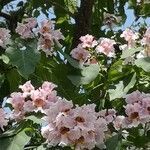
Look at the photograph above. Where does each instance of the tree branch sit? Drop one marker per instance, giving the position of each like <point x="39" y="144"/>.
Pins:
<point x="83" y="20"/>
<point x="4" y="15"/>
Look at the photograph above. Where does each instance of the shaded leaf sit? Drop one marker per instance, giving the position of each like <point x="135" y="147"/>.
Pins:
<point x="112" y="143"/>
<point x="88" y="74"/>
<point x="24" y="60"/>
<point x="14" y="143"/>
<point x="143" y="63"/>
<point x="130" y="52"/>
<point x="120" y="90"/>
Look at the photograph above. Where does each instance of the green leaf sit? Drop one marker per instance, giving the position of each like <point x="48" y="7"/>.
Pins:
<point x="61" y="20"/>
<point x="71" y="4"/>
<point x="25" y="60"/>
<point x="4" y="58"/>
<point x="14" y="143"/>
<point x="14" y="79"/>
<point x="35" y="119"/>
<point x="130" y="52"/>
<point x="88" y="74"/>
<point x="120" y="90"/>
<point x="112" y="143"/>
<point x="2" y="78"/>
<point x="16" y="129"/>
<point x="40" y="148"/>
<point x="143" y="63"/>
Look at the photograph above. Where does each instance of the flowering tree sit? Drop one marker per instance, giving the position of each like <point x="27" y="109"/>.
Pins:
<point x="67" y="83"/>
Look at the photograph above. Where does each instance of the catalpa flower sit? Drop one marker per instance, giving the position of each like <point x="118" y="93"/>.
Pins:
<point x="4" y="37"/>
<point x="130" y="37"/>
<point x="3" y="120"/>
<point x="106" y="47"/>
<point x="88" y="41"/>
<point x="80" y="53"/>
<point x="146" y="38"/>
<point x="79" y="127"/>
<point x="25" y="29"/>
<point x="48" y="37"/>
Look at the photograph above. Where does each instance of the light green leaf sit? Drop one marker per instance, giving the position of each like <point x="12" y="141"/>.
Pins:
<point x="72" y="5"/>
<point x="130" y="52"/>
<point x="4" y="58"/>
<point x="143" y="63"/>
<point x="120" y="90"/>
<point x="61" y="20"/>
<point x="25" y="60"/>
<point x="14" y="143"/>
<point x="88" y="74"/>
<point x="35" y="119"/>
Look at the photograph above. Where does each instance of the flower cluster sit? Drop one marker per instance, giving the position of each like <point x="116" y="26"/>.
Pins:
<point x="48" y="37"/>
<point x="66" y="125"/>
<point x="31" y="99"/>
<point x="146" y="38"/>
<point x="78" y="127"/>
<point x="130" y="36"/>
<point x="4" y="37"/>
<point x="89" y="45"/>
<point x="106" y="47"/>
<point x="3" y="119"/>
<point x="25" y="29"/>
<point x="137" y="111"/>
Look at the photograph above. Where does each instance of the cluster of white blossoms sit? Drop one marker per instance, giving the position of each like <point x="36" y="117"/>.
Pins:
<point x="25" y="29"/>
<point x="44" y="31"/>
<point x="48" y="37"/>
<point x="31" y="99"/>
<point x="103" y="46"/>
<point x="137" y="111"/>
<point x="66" y="124"/>
<point x="88" y="46"/>
<point x="78" y="127"/>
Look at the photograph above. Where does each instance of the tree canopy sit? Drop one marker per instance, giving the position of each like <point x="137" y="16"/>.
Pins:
<point x="74" y="74"/>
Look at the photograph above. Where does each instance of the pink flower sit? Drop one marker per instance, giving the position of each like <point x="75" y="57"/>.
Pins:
<point x="106" y="47"/>
<point x="85" y="116"/>
<point x="146" y="38"/>
<point x="30" y="22"/>
<point x="88" y="41"/>
<point x="48" y="86"/>
<point x="25" y="29"/>
<point x="48" y="37"/>
<point x="28" y="106"/>
<point x="133" y="111"/>
<point x="130" y="37"/>
<point x="27" y="87"/>
<point x="80" y="53"/>
<point x="16" y="100"/>
<point x="4" y="37"/>
<point x="3" y="120"/>
<point x="118" y="122"/>
<point x="145" y="111"/>
<point x="133" y="97"/>
<point x="108" y="114"/>
<point x="78" y="127"/>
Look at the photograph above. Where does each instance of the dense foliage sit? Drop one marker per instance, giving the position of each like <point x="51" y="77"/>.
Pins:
<point x="71" y="77"/>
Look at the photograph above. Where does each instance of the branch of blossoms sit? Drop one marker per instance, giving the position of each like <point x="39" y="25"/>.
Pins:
<point x="66" y="124"/>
